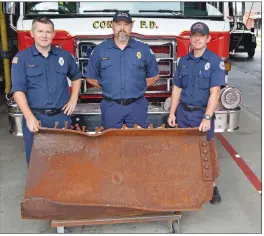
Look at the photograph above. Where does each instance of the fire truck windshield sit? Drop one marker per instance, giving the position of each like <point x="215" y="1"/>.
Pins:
<point x="176" y="9"/>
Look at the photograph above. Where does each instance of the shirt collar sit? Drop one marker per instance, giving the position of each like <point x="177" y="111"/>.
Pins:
<point x="204" y="56"/>
<point x="34" y="50"/>
<point x="53" y="50"/>
<point x="111" y="43"/>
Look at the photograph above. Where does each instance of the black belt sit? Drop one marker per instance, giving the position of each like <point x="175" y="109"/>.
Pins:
<point x="48" y="112"/>
<point x="124" y="102"/>
<point x="192" y="108"/>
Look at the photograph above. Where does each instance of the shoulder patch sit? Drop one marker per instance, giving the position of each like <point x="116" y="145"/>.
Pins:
<point x="15" y="60"/>
<point x="222" y="65"/>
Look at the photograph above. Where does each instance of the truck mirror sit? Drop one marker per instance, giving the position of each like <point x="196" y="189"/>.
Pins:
<point x="252" y="30"/>
<point x="9" y="8"/>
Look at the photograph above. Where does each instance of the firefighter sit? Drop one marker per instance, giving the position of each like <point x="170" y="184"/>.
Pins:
<point x="123" y="67"/>
<point x="196" y="88"/>
<point x="39" y="82"/>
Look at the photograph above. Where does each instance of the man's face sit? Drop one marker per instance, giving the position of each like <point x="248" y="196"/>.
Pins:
<point x="199" y="41"/>
<point x="43" y="34"/>
<point x="122" y="30"/>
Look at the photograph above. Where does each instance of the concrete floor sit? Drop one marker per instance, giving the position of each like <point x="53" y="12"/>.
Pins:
<point x="240" y="211"/>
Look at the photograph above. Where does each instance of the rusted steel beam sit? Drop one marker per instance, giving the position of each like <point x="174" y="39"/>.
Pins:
<point x="75" y="175"/>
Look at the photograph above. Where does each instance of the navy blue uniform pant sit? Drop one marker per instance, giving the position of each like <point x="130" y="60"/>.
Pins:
<point x="46" y="121"/>
<point x="191" y="119"/>
<point x="115" y="115"/>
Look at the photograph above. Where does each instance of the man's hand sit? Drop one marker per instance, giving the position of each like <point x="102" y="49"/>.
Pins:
<point x="33" y="124"/>
<point x="69" y="107"/>
<point x="205" y="125"/>
<point x="172" y="120"/>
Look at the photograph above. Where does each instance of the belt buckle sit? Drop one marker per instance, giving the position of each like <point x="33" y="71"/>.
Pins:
<point x="47" y="112"/>
<point x="190" y="107"/>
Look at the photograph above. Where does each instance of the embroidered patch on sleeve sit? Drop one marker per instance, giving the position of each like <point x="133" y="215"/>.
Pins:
<point x="222" y="65"/>
<point x="15" y="60"/>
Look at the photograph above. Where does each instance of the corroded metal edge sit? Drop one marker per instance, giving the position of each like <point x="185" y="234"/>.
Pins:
<point x="41" y="208"/>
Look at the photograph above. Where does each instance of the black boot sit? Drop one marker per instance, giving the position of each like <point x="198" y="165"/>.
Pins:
<point x="216" y="199"/>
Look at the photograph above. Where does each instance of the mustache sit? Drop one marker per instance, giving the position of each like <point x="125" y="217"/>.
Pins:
<point x="122" y="31"/>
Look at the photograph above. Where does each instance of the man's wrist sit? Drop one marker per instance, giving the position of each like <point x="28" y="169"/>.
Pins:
<point x="29" y="116"/>
<point x="74" y="98"/>
<point x="207" y="117"/>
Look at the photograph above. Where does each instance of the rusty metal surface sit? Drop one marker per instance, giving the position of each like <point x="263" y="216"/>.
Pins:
<point x="75" y="175"/>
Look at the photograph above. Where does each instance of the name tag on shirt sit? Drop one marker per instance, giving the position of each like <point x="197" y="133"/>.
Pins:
<point x="32" y="66"/>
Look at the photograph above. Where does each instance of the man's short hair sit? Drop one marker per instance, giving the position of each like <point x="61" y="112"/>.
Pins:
<point x="43" y="20"/>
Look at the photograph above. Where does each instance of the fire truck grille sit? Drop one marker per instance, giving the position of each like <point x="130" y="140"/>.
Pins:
<point x="165" y="58"/>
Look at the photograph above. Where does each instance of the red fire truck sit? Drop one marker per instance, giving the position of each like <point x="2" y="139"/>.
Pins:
<point x="164" y="26"/>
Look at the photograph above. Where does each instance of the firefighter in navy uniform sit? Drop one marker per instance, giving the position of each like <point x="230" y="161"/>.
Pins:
<point x="123" y="68"/>
<point x="39" y="83"/>
<point x="197" y="82"/>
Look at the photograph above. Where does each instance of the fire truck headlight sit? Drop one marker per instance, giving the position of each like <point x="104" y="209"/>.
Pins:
<point x="227" y="65"/>
<point x="230" y="97"/>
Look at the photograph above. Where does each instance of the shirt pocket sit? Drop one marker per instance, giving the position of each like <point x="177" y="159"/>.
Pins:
<point x="138" y="67"/>
<point x="184" y="75"/>
<point x="105" y="64"/>
<point x="34" y="71"/>
<point x="61" y="72"/>
<point x="106" y="69"/>
<point x="35" y="77"/>
<point x="204" y="80"/>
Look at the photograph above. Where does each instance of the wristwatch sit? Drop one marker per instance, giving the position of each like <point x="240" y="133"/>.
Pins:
<point x="207" y="117"/>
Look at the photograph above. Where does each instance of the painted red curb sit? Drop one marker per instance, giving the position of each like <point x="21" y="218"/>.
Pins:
<point x="241" y="163"/>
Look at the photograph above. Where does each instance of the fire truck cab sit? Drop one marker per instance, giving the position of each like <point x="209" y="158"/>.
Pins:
<point x="164" y="26"/>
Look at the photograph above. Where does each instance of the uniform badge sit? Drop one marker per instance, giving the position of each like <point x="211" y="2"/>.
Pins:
<point x="222" y="65"/>
<point x="139" y="55"/>
<point x="15" y="60"/>
<point x="61" y="61"/>
<point x="207" y="66"/>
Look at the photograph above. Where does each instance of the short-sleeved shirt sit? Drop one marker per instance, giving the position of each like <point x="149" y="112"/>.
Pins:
<point x="44" y="80"/>
<point x="197" y="75"/>
<point x="122" y="73"/>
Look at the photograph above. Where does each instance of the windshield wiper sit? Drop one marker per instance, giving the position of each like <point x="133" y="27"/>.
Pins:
<point x="50" y="10"/>
<point x="174" y="12"/>
<point x="105" y="10"/>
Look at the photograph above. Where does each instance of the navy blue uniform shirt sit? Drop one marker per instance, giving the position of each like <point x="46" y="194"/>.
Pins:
<point x="197" y="75"/>
<point x="44" y="80"/>
<point x="122" y="73"/>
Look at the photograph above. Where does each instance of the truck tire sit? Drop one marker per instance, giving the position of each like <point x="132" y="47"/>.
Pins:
<point x="251" y="52"/>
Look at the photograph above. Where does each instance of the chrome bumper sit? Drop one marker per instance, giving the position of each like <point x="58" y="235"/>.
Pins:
<point x="226" y="120"/>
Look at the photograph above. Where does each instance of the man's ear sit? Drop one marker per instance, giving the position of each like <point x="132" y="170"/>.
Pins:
<point x="31" y="33"/>
<point x="208" y="38"/>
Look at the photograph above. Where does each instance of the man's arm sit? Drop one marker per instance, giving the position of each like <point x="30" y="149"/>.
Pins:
<point x="211" y="108"/>
<point x="217" y="81"/>
<point x="175" y="99"/>
<point x="152" y="80"/>
<point x="74" y="75"/>
<point x="19" y="89"/>
<point x="213" y="100"/>
<point x="93" y="82"/>
<point x="21" y="100"/>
